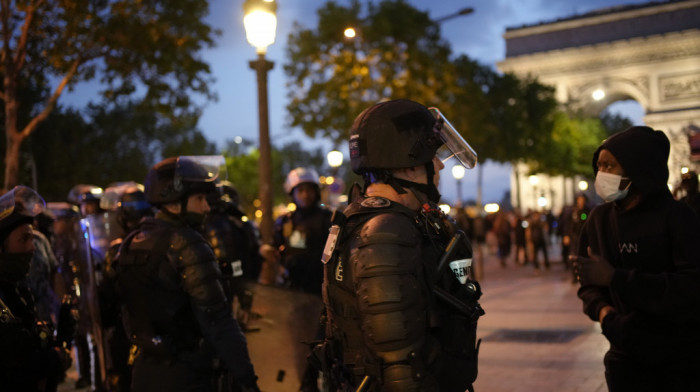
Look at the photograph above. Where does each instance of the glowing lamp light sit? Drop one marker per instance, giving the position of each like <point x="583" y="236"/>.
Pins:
<point x="542" y="201"/>
<point x="491" y="208"/>
<point x="458" y="172"/>
<point x="291" y="207"/>
<point x="349" y="33"/>
<point x="260" y="23"/>
<point x="334" y="158"/>
<point x="598" y="94"/>
<point x="445" y="208"/>
<point x="533" y="179"/>
<point x="583" y="185"/>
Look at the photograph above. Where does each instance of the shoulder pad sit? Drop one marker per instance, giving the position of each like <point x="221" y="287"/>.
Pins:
<point x="390" y="228"/>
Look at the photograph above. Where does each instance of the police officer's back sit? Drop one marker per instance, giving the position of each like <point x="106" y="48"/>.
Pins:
<point x="175" y="310"/>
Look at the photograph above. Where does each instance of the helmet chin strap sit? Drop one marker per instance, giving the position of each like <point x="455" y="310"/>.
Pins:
<point x="428" y="190"/>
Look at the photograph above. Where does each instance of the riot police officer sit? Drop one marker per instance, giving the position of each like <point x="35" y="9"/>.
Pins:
<point x="31" y="359"/>
<point x="300" y="234"/>
<point x="175" y="310"/>
<point x="398" y="318"/>
<point x="235" y="242"/>
<point x="125" y="205"/>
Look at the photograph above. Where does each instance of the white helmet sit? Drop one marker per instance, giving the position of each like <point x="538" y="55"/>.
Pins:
<point x="298" y="176"/>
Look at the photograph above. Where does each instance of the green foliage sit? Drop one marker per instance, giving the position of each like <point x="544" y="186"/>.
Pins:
<point x="399" y="53"/>
<point x="569" y="147"/>
<point x="332" y="79"/>
<point x="145" y="49"/>
<point x="242" y="161"/>
<point x="112" y="144"/>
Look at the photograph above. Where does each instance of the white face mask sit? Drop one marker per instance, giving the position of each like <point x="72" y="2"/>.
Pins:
<point x="607" y="186"/>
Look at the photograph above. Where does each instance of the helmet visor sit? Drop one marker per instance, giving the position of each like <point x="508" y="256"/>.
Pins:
<point x="112" y="198"/>
<point x="454" y="144"/>
<point x="201" y="168"/>
<point x="22" y="200"/>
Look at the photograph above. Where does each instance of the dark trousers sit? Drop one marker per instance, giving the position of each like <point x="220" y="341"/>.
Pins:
<point x="623" y="373"/>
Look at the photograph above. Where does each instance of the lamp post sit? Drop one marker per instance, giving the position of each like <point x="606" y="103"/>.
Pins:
<point x="260" y="24"/>
<point x="458" y="174"/>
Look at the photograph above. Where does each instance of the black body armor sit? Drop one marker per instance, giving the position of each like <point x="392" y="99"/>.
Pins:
<point x="174" y="307"/>
<point x="397" y="317"/>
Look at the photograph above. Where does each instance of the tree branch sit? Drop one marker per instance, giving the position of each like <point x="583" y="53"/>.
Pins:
<point x="21" y="53"/>
<point x="51" y="103"/>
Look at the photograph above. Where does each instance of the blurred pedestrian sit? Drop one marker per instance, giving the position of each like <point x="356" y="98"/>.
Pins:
<point x="503" y="230"/>
<point x="639" y="267"/>
<point x="519" y="229"/>
<point x="537" y="235"/>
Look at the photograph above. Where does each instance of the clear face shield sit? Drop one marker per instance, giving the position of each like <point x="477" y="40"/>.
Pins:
<point x="201" y="168"/>
<point x="455" y="146"/>
<point x="23" y="200"/>
<point x="113" y="195"/>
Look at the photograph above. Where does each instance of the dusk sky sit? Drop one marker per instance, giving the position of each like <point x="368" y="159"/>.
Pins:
<point x="478" y="35"/>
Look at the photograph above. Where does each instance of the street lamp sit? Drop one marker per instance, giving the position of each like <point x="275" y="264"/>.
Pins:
<point x="335" y="159"/>
<point x="463" y="11"/>
<point x="260" y="24"/>
<point x="458" y="173"/>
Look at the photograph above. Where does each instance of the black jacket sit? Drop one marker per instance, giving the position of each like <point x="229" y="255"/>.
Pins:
<point x="655" y="249"/>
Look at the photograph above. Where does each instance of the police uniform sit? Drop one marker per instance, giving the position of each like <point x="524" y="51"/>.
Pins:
<point x="398" y="319"/>
<point x="174" y="306"/>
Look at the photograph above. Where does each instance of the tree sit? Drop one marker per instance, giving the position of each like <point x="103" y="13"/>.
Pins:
<point x="242" y="166"/>
<point x="398" y="53"/>
<point x="144" y="47"/>
<point x="113" y="144"/>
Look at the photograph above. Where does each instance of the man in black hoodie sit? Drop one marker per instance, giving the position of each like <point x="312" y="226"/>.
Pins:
<point x="639" y="267"/>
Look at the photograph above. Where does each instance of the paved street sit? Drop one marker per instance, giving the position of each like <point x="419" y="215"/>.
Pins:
<point x="535" y="336"/>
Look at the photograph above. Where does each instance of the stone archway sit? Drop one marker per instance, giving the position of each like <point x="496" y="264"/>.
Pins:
<point x="649" y="53"/>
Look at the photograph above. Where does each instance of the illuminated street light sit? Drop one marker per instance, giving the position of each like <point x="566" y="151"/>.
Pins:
<point x="260" y="24"/>
<point x="349" y="32"/>
<point x="491" y="208"/>
<point x="583" y="185"/>
<point x="598" y="94"/>
<point x="335" y="159"/>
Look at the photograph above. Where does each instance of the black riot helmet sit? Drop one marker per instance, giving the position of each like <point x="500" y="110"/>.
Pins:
<point x="128" y="200"/>
<point x="225" y="199"/>
<point x="175" y="179"/>
<point x="400" y="134"/>
<point x="17" y="207"/>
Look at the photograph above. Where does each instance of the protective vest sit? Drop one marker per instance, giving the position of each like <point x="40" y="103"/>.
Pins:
<point x="158" y="315"/>
<point x="398" y="318"/>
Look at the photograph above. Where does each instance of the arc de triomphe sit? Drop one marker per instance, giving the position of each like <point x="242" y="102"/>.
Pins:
<point x="649" y="53"/>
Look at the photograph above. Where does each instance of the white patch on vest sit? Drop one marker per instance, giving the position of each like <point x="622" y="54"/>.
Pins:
<point x="237" y="267"/>
<point x="297" y="240"/>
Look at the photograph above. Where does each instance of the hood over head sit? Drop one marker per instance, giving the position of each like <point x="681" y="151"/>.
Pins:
<point x="643" y="154"/>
